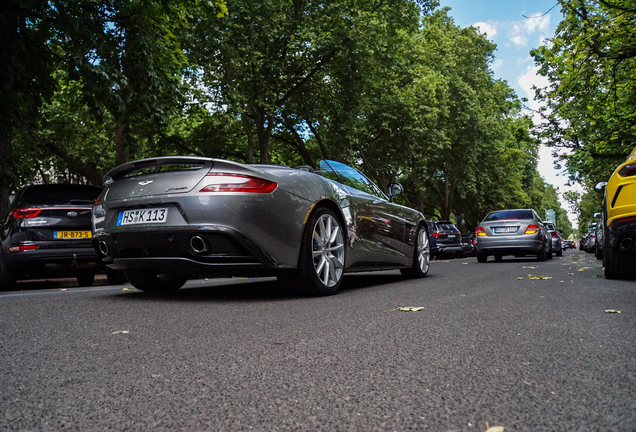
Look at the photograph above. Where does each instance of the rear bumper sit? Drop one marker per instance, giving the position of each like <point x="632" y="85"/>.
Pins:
<point x="622" y="232"/>
<point x="509" y="246"/>
<point x="53" y="262"/>
<point x="441" y="249"/>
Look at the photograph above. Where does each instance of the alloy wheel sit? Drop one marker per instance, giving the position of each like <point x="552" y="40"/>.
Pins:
<point x="328" y="250"/>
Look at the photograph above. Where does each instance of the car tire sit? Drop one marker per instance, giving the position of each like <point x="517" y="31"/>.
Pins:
<point x="7" y="279"/>
<point x="322" y="256"/>
<point x="482" y="258"/>
<point x="549" y="254"/>
<point x="151" y="281"/>
<point x="542" y="255"/>
<point x="498" y="257"/>
<point x="85" y="279"/>
<point x="115" y="277"/>
<point x="421" y="256"/>
<point x="559" y="252"/>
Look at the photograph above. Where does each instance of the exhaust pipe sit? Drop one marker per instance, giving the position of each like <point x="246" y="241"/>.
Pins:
<point x="626" y="243"/>
<point x="198" y="244"/>
<point x="103" y="248"/>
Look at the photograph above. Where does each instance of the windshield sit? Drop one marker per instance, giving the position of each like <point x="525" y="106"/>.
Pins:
<point x="56" y="194"/>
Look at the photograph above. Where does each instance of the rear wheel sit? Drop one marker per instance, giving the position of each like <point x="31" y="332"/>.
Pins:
<point x="482" y="258"/>
<point x="7" y="279"/>
<point x="115" y="277"/>
<point x="322" y="256"/>
<point x="541" y="256"/>
<point x="559" y="252"/>
<point x="421" y="257"/>
<point x="151" y="281"/>
<point x="85" y="279"/>
<point x="498" y="257"/>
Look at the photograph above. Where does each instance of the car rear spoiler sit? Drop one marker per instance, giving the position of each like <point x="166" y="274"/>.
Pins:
<point x="142" y="164"/>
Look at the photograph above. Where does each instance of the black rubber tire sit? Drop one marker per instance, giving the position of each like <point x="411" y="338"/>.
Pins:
<point x="305" y="280"/>
<point x="416" y="270"/>
<point x="7" y="279"/>
<point x="542" y="255"/>
<point x="115" y="277"/>
<point x="85" y="279"/>
<point x="151" y="281"/>
<point x="482" y="258"/>
<point x="548" y="255"/>
<point x="559" y="252"/>
<point x="498" y="257"/>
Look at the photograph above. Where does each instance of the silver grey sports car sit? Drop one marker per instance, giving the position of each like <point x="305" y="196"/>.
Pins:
<point x="169" y="219"/>
<point x="518" y="232"/>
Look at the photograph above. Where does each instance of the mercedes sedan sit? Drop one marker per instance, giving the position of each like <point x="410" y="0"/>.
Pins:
<point x="512" y="232"/>
<point x="169" y="219"/>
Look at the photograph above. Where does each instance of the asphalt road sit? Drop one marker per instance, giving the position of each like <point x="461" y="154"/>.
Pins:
<point x="231" y="355"/>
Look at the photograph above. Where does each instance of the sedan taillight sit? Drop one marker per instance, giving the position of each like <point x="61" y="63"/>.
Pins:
<point x="219" y="182"/>
<point x="26" y="213"/>
<point x="480" y="232"/>
<point x="532" y="229"/>
<point x="23" y="248"/>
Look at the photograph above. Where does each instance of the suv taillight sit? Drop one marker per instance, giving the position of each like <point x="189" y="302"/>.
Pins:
<point x="26" y="213"/>
<point x="555" y="234"/>
<point x="438" y="235"/>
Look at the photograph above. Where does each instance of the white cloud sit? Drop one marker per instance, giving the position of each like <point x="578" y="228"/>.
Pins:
<point x="497" y="65"/>
<point x="529" y="79"/>
<point x="521" y="30"/>
<point x="488" y="28"/>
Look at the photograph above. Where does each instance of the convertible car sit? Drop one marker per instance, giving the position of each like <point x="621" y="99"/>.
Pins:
<point x="169" y="219"/>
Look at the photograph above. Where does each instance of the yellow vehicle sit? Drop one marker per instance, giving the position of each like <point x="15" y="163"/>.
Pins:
<point x="619" y="221"/>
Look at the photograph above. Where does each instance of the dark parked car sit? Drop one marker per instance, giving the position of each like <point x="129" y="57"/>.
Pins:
<point x="468" y="245"/>
<point x="557" y="240"/>
<point x="169" y="219"/>
<point x="446" y="239"/>
<point x="519" y="232"/>
<point x="48" y="234"/>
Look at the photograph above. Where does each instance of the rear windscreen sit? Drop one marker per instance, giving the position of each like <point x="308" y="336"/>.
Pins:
<point x="509" y="215"/>
<point x="446" y="227"/>
<point x="60" y="195"/>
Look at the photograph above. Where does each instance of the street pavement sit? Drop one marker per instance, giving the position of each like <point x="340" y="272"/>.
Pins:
<point x="487" y="348"/>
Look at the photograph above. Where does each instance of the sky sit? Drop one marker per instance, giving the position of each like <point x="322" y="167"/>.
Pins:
<point x="504" y="23"/>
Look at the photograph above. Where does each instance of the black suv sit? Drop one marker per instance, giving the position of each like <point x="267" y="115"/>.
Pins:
<point x="446" y="239"/>
<point x="48" y="234"/>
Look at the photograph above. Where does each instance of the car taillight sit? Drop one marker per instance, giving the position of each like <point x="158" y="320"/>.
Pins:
<point x="555" y="234"/>
<point x="26" y="213"/>
<point x="532" y="229"/>
<point x="23" y="248"/>
<point x="238" y="183"/>
<point x="628" y="171"/>
<point x="438" y="235"/>
<point x="480" y="232"/>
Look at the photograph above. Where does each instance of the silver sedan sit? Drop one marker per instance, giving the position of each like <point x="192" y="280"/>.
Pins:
<point x="519" y="232"/>
<point x="169" y="219"/>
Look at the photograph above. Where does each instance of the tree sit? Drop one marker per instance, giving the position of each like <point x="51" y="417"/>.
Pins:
<point x="590" y="103"/>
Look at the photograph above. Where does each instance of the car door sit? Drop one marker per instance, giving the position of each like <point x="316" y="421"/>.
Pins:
<point x="380" y="224"/>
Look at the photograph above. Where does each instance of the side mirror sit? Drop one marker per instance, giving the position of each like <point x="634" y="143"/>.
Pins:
<point x="395" y="189"/>
<point x="600" y="187"/>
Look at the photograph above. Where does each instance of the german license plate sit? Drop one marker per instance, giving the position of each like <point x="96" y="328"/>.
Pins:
<point x="62" y="235"/>
<point x="142" y="216"/>
<point x="505" y="230"/>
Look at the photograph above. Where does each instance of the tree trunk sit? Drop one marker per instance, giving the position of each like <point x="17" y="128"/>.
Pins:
<point x="249" y="152"/>
<point x="264" y="132"/>
<point x="122" y="140"/>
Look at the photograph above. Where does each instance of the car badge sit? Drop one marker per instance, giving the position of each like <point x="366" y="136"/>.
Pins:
<point x="144" y="183"/>
<point x="72" y="214"/>
<point x="172" y="189"/>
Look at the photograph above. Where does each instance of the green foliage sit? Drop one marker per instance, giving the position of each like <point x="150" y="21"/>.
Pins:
<point x="590" y="103"/>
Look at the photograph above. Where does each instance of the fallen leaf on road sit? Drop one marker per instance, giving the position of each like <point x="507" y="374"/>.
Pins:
<point x="612" y="311"/>
<point x="464" y="263"/>
<point x="584" y="268"/>
<point x="62" y="289"/>
<point x="128" y="289"/>
<point x="519" y="278"/>
<point x="530" y="267"/>
<point x="494" y="428"/>
<point x="535" y="277"/>
<point x="597" y="275"/>
<point x="570" y="273"/>
<point x="119" y="331"/>
<point x="409" y="309"/>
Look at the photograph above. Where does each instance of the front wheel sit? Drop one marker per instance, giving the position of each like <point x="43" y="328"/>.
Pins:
<point x="151" y="281"/>
<point x="421" y="256"/>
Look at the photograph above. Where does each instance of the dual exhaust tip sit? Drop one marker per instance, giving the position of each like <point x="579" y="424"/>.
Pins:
<point x="197" y="243"/>
<point x="627" y="244"/>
